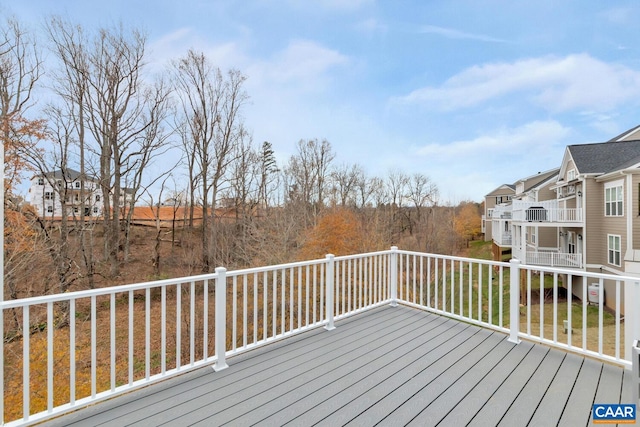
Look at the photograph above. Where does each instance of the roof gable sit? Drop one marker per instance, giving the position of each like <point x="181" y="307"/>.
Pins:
<point x="511" y="189"/>
<point x="602" y="158"/>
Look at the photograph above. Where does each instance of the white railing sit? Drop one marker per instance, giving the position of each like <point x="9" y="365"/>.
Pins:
<point x="546" y="211"/>
<point x="504" y="239"/>
<point x="553" y="259"/>
<point x="114" y="340"/>
<point x="488" y="293"/>
<point x="121" y="338"/>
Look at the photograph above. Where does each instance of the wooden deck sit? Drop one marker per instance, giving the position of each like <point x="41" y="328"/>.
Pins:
<point x="389" y="366"/>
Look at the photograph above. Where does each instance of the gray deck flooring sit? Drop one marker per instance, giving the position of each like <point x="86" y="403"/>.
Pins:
<point x="389" y="366"/>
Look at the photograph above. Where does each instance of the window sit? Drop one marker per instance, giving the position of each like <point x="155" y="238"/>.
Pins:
<point x="571" y="175"/>
<point x="614" y="249"/>
<point x="95" y="210"/>
<point x="613" y="200"/>
<point x="49" y="209"/>
<point x="77" y="184"/>
<point x="533" y="235"/>
<point x="76" y="197"/>
<point x="48" y="195"/>
<point x="97" y="197"/>
<point x="502" y="199"/>
<point x="59" y="183"/>
<point x="40" y="181"/>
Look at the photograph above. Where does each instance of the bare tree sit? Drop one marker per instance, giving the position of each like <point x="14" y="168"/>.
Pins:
<point x="345" y="181"/>
<point x="20" y="69"/>
<point x="68" y="43"/>
<point x="422" y="193"/>
<point x="149" y="144"/>
<point x="308" y="174"/>
<point x="210" y="105"/>
<point x="120" y="110"/>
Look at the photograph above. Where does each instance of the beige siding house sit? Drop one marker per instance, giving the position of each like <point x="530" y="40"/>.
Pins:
<point x="500" y="195"/>
<point x="586" y="216"/>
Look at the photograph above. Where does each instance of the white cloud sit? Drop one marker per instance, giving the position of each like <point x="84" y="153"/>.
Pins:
<point x="574" y="82"/>
<point x="458" y="35"/>
<point x="174" y="45"/>
<point x="371" y="26"/>
<point x="468" y="169"/>
<point x="534" y="136"/>
<point x="303" y="64"/>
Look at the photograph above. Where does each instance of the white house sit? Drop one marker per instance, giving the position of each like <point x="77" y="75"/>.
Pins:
<point x="49" y="189"/>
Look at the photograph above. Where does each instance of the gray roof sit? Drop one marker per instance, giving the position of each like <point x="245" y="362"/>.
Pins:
<point x="605" y="157"/>
<point x="624" y="134"/>
<point x="69" y="174"/>
<point x="542" y="177"/>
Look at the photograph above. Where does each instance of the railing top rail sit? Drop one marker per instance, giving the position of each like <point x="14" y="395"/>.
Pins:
<point x="255" y="270"/>
<point x="43" y="299"/>
<point x="318" y="261"/>
<point x="364" y="255"/>
<point x="457" y="258"/>
<point x="157" y="283"/>
<point x="574" y="272"/>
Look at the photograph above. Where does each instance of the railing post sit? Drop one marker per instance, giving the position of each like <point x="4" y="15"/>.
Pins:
<point x="635" y="366"/>
<point x="330" y="292"/>
<point x="631" y="316"/>
<point x="221" y="319"/>
<point x="393" y="272"/>
<point x="514" y="301"/>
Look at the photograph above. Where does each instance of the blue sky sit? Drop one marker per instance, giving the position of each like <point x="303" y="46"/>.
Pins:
<point x="473" y="94"/>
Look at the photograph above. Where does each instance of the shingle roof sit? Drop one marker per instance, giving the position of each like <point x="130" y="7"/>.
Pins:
<point x="624" y="134"/>
<point x="70" y="174"/>
<point x="605" y="157"/>
<point x="541" y="177"/>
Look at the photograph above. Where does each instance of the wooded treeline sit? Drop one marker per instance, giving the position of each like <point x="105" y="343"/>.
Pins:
<point x="103" y="112"/>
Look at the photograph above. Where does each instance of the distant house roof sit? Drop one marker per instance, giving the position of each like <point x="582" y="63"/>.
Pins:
<point x="70" y="174"/>
<point x="503" y="186"/>
<point x="538" y="179"/>
<point x="605" y="157"/>
<point x="625" y="134"/>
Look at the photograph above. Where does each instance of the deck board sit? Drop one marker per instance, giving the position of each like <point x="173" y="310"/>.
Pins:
<point x="386" y="366"/>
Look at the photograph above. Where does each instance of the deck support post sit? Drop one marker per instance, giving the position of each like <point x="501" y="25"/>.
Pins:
<point x="330" y="292"/>
<point x="393" y="275"/>
<point x="514" y="301"/>
<point x="221" y="319"/>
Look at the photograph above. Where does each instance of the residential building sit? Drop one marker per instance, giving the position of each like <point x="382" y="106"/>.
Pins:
<point x="586" y="216"/>
<point x="530" y="189"/>
<point x="48" y="189"/>
<point x="498" y="197"/>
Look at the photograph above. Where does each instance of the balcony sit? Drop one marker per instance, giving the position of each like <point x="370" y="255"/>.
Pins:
<point x="391" y="337"/>
<point x="545" y="212"/>
<point x="553" y="259"/>
<point x="502" y="238"/>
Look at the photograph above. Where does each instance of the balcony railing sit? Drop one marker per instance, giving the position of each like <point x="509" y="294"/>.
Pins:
<point x="91" y="345"/>
<point x="547" y="211"/>
<point x="554" y="259"/>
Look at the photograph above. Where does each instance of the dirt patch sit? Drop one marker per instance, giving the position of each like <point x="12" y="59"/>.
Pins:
<point x="548" y="296"/>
